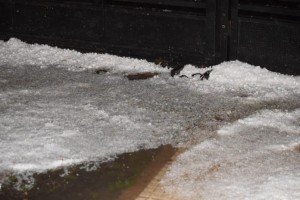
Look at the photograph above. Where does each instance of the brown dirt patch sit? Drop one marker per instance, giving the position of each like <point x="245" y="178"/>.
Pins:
<point x="101" y="71"/>
<point x="141" y="76"/>
<point x="297" y="148"/>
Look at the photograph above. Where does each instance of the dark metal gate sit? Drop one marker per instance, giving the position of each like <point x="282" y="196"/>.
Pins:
<point x="260" y="32"/>
<point x="268" y="34"/>
<point x="200" y="32"/>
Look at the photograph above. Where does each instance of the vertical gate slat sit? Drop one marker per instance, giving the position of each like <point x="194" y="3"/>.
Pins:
<point x="233" y="30"/>
<point x="211" y="6"/>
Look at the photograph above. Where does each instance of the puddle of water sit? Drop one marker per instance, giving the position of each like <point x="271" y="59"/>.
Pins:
<point x="123" y="178"/>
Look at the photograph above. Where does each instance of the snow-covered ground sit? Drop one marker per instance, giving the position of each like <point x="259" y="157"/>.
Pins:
<point x="241" y="127"/>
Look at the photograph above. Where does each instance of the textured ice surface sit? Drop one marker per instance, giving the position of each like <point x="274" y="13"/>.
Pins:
<point x="55" y="111"/>
<point x="15" y="53"/>
<point x="253" y="158"/>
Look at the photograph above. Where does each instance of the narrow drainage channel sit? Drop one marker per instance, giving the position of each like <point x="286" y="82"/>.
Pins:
<point x="121" y="179"/>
